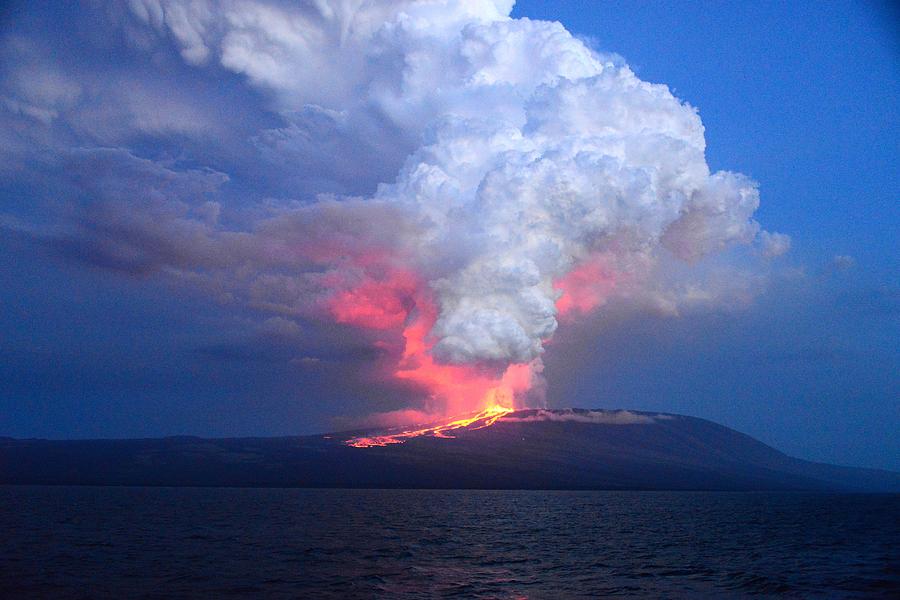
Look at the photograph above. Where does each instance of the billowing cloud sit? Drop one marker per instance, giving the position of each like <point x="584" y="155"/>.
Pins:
<point x="451" y="182"/>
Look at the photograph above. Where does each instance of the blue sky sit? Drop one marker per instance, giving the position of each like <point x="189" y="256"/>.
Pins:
<point x="97" y="339"/>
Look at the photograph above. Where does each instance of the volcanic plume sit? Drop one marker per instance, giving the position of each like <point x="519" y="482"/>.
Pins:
<point x="546" y="178"/>
<point x="461" y="184"/>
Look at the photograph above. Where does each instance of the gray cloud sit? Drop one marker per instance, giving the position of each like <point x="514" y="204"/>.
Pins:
<point x="842" y="262"/>
<point x="772" y="245"/>
<point x="602" y="417"/>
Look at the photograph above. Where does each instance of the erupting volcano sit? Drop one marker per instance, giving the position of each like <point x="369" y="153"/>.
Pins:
<point x="457" y="185"/>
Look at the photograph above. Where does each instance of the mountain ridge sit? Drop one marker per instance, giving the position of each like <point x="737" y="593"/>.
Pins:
<point x="525" y="449"/>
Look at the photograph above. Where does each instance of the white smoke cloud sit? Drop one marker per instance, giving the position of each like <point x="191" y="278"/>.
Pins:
<point x="500" y="156"/>
<point x="538" y="152"/>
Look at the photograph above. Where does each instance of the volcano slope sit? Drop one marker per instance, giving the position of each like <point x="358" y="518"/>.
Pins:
<point x="528" y="449"/>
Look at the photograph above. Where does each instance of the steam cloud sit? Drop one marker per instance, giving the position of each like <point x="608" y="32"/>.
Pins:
<point x="599" y="417"/>
<point x="463" y="178"/>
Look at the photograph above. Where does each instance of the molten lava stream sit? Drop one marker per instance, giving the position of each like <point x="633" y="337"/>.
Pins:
<point x="488" y="417"/>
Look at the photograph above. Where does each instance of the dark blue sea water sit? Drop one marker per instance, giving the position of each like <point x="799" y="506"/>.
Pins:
<point x="63" y="542"/>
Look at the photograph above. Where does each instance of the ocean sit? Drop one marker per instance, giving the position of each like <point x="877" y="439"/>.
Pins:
<point x="109" y="542"/>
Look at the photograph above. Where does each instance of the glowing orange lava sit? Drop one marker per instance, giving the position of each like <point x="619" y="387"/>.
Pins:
<point x="480" y="420"/>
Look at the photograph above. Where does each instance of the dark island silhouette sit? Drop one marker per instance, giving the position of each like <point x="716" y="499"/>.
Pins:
<point x="529" y="449"/>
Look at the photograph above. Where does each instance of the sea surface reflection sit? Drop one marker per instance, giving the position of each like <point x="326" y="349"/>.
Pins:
<point x="67" y="542"/>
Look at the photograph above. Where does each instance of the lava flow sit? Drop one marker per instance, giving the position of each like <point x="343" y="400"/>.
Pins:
<point x="480" y="420"/>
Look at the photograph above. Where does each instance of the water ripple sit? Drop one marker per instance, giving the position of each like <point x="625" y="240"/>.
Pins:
<point x="234" y="543"/>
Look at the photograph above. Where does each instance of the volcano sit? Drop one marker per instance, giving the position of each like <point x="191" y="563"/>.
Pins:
<point x="523" y="449"/>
